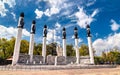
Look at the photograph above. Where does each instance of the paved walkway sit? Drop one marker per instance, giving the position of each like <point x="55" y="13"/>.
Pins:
<point x="103" y="71"/>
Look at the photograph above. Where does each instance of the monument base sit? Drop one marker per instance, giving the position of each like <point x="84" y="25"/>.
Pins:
<point x="53" y="67"/>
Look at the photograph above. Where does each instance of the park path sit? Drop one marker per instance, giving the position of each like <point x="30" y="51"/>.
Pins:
<point x="104" y="71"/>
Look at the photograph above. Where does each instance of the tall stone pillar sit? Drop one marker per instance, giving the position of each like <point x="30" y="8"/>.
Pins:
<point x="64" y="42"/>
<point x="18" y="39"/>
<point x="90" y="45"/>
<point x="31" y="45"/>
<point x="44" y="43"/>
<point x="76" y="45"/>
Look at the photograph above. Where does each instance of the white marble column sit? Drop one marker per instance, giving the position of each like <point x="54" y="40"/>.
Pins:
<point x="90" y="45"/>
<point x="44" y="43"/>
<point x="64" y="42"/>
<point x="31" y="45"/>
<point x="90" y="50"/>
<point x="18" y="40"/>
<point x="76" y="45"/>
<point x="64" y="47"/>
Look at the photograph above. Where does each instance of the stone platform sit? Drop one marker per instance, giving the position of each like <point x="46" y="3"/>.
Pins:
<point x="53" y="67"/>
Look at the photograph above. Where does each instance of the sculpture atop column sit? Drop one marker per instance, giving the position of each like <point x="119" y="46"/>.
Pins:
<point x="88" y="31"/>
<point x="31" y="46"/>
<point x="18" y="39"/>
<point x="90" y="45"/>
<point x="44" y="43"/>
<point x="64" y="33"/>
<point x="64" y="42"/>
<point x="45" y="31"/>
<point x="33" y="28"/>
<point x="76" y="45"/>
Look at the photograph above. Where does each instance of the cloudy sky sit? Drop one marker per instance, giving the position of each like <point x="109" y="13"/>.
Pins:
<point x="102" y="15"/>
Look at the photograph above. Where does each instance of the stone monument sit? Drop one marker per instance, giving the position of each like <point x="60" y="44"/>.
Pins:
<point x="18" y="39"/>
<point x="76" y="45"/>
<point x="31" y="46"/>
<point x="44" y="43"/>
<point x="64" y="42"/>
<point x="90" y="45"/>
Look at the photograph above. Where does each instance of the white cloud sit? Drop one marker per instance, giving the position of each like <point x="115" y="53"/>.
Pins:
<point x="3" y="9"/>
<point x="94" y="12"/>
<point x="91" y="2"/>
<point x="8" y="32"/>
<point x="107" y="43"/>
<point x="38" y="14"/>
<point x="11" y="3"/>
<point x="83" y="18"/>
<point x="51" y="11"/>
<point x="115" y="26"/>
<point x="52" y="34"/>
<point x="55" y="7"/>
<point x="79" y="39"/>
<point x="14" y="16"/>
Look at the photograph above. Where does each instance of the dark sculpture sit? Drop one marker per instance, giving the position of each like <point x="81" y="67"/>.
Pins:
<point x="45" y="31"/>
<point x="33" y="27"/>
<point x="21" y="14"/>
<point x="64" y="33"/>
<point x="21" y="21"/>
<point x="75" y="32"/>
<point x="88" y="31"/>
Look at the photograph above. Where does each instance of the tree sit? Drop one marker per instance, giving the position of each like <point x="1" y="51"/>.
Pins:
<point x="6" y="47"/>
<point x="70" y="50"/>
<point x="98" y="60"/>
<point x="3" y="46"/>
<point x="38" y="49"/>
<point x="104" y="57"/>
<point x="51" y="49"/>
<point x="24" y="47"/>
<point x="84" y="51"/>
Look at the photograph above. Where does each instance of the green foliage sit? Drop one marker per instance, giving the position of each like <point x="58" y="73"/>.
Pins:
<point x="98" y="60"/>
<point x="6" y="47"/>
<point x="84" y="51"/>
<point x="51" y="49"/>
<point x="70" y="50"/>
<point x="24" y="47"/>
<point x="37" y="49"/>
<point x="112" y="57"/>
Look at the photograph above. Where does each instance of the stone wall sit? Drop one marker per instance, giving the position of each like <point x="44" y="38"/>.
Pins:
<point x="84" y="59"/>
<point x="60" y="60"/>
<point x="37" y="59"/>
<point x="23" y="59"/>
<point x="71" y="59"/>
<point x="52" y="60"/>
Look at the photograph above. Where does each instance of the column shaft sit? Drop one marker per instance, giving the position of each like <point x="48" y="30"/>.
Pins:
<point x="90" y="51"/>
<point x="44" y="49"/>
<point x="77" y="51"/>
<point x="17" y="47"/>
<point x="64" y="47"/>
<point x="31" y="47"/>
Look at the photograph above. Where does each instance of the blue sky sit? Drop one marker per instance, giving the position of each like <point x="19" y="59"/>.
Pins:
<point x="102" y="15"/>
